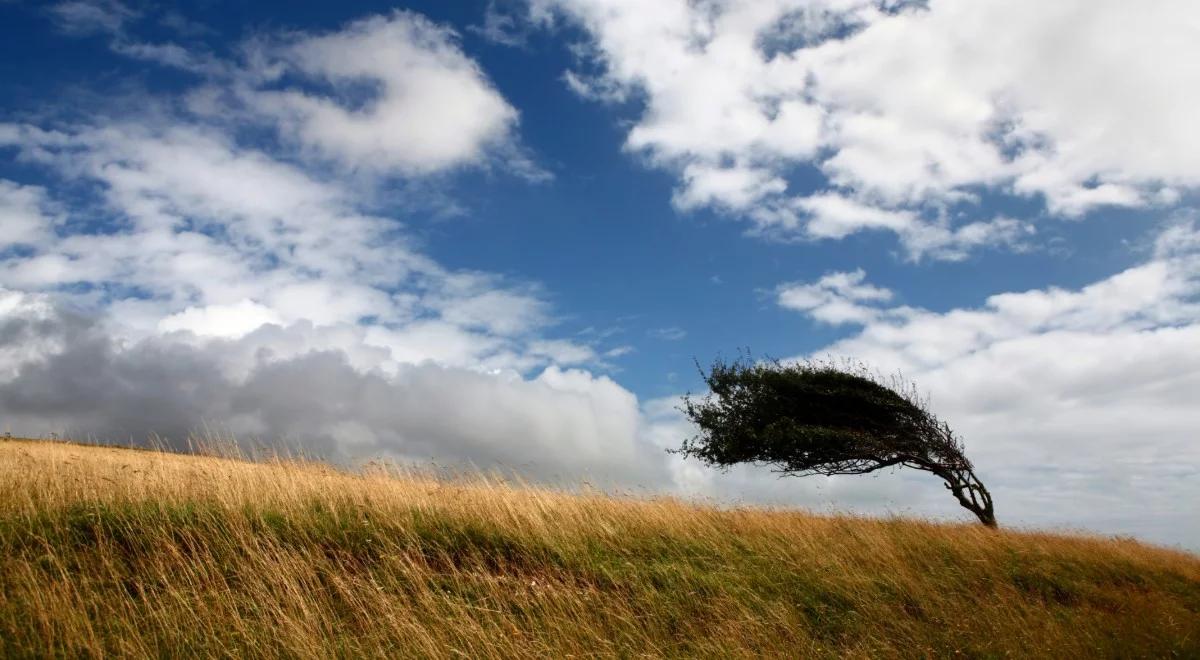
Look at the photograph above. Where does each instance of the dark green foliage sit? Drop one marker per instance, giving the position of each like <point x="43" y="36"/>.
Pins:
<point x="820" y="418"/>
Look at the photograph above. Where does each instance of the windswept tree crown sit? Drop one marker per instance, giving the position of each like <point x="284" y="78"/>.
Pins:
<point x="822" y="418"/>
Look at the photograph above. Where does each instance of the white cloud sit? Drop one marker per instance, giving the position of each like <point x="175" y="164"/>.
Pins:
<point x="835" y="216"/>
<point x="563" y="352"/>
<point x="218" y="238"/>
<point x="385" y="94"/>
<point x="444" y="343"/>
<point x="228" y="321"/>
<point x="1077" y="405"/>
<point x="737" y="188"/>
<point x="938" y="240"/>
<point x="23" y="215"/>
<point x="836" y="298"/>
<point x="473" y="303"/>
<point x="906" y="111"/>
<point x="203" y="221"/>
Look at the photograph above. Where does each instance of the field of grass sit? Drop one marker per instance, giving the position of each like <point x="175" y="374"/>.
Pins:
<point x="107" y="551"/>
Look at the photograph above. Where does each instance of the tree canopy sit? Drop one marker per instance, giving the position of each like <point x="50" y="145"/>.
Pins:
<point x="821" y="418"/>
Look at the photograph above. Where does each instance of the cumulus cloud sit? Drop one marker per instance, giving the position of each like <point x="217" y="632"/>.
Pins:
<point x="1077" y="405"/>
<point x="384" y="94"/>
<point x="907" y="110"/>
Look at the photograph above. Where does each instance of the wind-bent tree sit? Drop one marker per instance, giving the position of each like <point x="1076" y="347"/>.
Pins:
<point x="819" y="418"/>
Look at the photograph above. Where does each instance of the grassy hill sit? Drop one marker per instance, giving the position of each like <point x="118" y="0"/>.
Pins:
<point x="107" y="551"/>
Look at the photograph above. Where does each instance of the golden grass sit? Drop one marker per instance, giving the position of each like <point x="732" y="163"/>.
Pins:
<point x="107" y="551"/>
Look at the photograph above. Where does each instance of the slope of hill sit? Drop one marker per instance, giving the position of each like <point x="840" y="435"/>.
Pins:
<point x="107" y="551"/>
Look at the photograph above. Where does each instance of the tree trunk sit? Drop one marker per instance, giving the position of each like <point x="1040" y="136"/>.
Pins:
<point x="970" y="493"/>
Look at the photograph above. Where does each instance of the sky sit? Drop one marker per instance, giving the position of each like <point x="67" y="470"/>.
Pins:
<point x="503" y="233"/>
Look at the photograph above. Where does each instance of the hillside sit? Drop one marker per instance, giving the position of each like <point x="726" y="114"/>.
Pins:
<point x="107" y="551"/>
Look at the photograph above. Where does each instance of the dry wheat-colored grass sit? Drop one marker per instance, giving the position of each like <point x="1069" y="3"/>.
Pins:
<point x="107" y="551"/>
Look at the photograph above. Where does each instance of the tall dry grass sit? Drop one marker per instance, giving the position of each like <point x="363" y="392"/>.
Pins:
<point x="119" y="552"/>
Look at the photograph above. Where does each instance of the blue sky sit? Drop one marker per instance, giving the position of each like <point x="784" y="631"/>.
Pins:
<point x="545" y="211"/>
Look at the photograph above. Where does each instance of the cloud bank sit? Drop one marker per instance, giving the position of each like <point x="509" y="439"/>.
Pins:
<point x="276" y="385"/>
